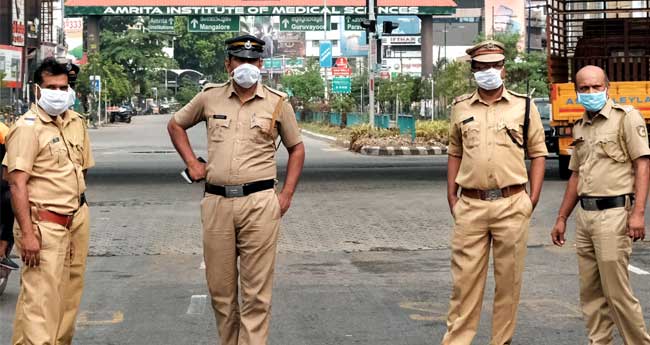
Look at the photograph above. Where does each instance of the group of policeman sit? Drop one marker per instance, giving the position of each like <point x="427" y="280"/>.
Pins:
<point x="492" y="132"/>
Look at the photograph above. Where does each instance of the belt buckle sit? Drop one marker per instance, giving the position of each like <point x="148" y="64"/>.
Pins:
<point x="234" y="191"/>
<point x="493" y="194"/>
<point x="589" y="204"/>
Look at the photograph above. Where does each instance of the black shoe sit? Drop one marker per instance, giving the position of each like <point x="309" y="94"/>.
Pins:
<point x="9" y="264"/>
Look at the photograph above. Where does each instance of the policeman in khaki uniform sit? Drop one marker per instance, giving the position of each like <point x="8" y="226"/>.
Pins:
<point x="48" y="152"/>
<point x="610" y="180"/>
<point x="240" y="211"/>
<point x="488" y="140"/>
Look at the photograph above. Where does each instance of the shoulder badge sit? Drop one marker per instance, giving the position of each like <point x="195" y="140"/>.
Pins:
<point x="642" y="131"/>
<point x="279" y="93"/>
<point x="209" y="86"/>
<point x="462" y="98"/>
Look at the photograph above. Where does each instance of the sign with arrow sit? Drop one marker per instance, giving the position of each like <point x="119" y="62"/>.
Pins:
<point x="353" y="23"/>
<point x="213" y="24"/>
<point x="161" y="24"/>
<point x="308" y="23"/>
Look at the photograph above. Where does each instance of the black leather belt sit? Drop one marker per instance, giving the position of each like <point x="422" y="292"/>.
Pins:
<point x="239" y="190"/>
<point x="589" y="203"/>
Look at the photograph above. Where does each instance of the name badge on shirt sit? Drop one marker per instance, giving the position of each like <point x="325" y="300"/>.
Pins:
<point x="468" y="120"/>
<point x="56" y="140"/>
<point x="219" y="117"/>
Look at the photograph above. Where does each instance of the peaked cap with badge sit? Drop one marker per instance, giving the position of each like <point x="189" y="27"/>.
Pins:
<point x="487" y="51"/>
<point x="246" y="46"/>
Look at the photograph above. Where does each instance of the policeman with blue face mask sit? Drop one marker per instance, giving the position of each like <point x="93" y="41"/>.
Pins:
<point x="610" y="180"/>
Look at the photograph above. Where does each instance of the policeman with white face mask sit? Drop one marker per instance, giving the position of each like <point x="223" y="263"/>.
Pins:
<point x="492" y="131"/>
<point x="240" y="211"/>
<point x="48" y="153"/>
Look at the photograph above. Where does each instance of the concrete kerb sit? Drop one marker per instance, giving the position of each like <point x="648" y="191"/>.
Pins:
<point x="403" y="151"/>
<point x="382" y="150"/>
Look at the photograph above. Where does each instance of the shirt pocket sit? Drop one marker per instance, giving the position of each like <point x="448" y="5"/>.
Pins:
<point x="76" y="151"/>
<point x="217" y="129"/>
<point x="471" y="134"/>
<point x="58" y="152"/>
<point x="610" y="147"/>
<point x="261" y="131"/>
<point x="510" y="134"/>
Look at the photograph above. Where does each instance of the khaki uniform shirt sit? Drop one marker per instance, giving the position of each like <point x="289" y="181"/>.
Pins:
<point x="54" y="152"/>
<point x="599" y="150"/>
<point x="241" y="142"/>
<point x="483" y="136"/>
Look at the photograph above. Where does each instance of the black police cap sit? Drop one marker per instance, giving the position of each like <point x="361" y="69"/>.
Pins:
<point x="246" y="46"/>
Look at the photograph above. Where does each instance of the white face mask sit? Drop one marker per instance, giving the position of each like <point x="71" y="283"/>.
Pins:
<point x="54" y="102"/>
<point x="246" y="75"/>
<point x="489" y="79"/>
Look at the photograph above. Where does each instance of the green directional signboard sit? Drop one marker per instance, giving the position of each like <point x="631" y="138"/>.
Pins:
<point x="341" y="85"/>
<point x="213" y="24"/>
<point x="306" y="23"/>
<point x="353" y="23"/>
<point x="161" y="24"/>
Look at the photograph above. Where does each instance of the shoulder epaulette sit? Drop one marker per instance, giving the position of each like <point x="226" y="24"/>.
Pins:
<point x="625" y="108"/>
<point x="279" y="93"/>
<point x="522" y="95"/>
<point x="28" y="118"/>
<point x="463" y="98"/>
<point x="209" y="86"/>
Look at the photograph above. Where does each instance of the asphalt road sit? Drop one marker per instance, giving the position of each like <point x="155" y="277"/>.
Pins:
<point x="364" y="255"/>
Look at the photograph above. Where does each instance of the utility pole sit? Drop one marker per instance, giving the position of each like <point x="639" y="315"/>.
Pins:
<point x="325" y="39"/>
<point x="371" y="64"/>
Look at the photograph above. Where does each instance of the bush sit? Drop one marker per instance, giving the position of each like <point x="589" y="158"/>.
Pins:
<point x="366" y="131"/>
<point x="433" y="131"/>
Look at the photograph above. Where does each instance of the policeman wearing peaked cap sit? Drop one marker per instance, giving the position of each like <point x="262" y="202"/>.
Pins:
<point x="492" y="131"/>
<point x="246" y="46"/>
<point x="241" y="211"/>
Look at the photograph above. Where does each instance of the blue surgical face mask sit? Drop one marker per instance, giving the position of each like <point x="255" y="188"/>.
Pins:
<point x="593" y="102"/>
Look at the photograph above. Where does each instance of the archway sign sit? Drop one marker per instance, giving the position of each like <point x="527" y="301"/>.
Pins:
<point x="253" y="8"/>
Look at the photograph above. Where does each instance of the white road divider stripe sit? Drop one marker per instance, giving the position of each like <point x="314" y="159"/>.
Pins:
<point x="197" y="304"/>
<point x="637" y="270"/>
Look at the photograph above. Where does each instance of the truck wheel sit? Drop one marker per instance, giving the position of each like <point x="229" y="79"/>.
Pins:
<point x="565" y="172"/>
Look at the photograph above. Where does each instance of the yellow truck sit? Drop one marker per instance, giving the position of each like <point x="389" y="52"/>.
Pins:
<point x="602" y="33"/>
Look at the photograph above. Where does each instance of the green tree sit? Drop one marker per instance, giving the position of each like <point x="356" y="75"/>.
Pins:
<point x="204" y="52"/>
<point x="141" y="55"/>
<point x="189" y="88"/>
<point x="116" y="86"/>
<point x="307" y="87"/>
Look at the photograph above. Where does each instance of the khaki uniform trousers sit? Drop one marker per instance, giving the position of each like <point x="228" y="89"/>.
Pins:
<point x="502" y="224"/>
<point x="62" y="277"/>
<point x="247" y="227"/>
<point x="604" y="249"/>
<point x="73" y="289"/>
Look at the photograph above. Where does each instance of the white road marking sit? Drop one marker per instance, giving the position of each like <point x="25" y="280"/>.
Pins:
<point x="637" y="270"/>
<point x="202" y="266"/>
<point x="197" y="304"/>
<point x="332" y="149"/>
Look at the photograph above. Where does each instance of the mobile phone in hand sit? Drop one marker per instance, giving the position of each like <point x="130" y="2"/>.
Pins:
<point x="186" y="173"/>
